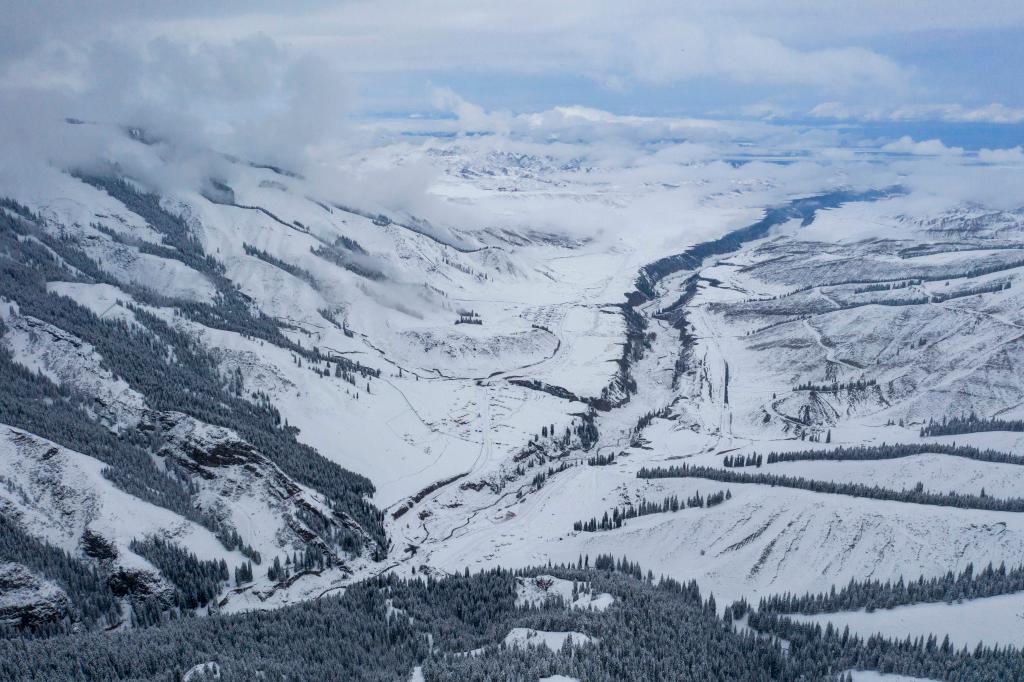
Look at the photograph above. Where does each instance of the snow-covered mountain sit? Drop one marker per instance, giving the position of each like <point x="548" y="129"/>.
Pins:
<point x="287" y="393"/>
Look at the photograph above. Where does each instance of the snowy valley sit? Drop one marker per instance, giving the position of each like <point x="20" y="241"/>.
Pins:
<point x="776" y="380"/>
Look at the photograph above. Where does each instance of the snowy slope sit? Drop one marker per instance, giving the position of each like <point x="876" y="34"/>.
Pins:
<point x="476" y="436"/>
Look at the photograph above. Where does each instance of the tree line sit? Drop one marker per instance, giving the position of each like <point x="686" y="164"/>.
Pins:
<point x="895" y="451"/>
<point x="969" y="424"/>
<point x="293" y="270"/>
<point x="915" y="495"/>
<point x="875" y="594"/>
<point x="671" y="503"/>
<point x="381" y="628"/>
<point x="858" y="385"/>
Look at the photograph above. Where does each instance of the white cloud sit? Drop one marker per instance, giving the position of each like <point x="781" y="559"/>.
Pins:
<point x="614" y="44"/>
<point x="907" y="145"/>
<point x="992" y="113"/>
<point x="575" y="123"/>
<point x="792" y="46"/>
<point x="252" y="97"/>
<point x="952" y="113"/>
<point x="1012" y="155"/>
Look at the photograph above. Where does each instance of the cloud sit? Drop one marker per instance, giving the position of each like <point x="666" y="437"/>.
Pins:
<point x="952" y="113"/>
<point x="907" y="145"/>
<point x="617" y="46"/>
<point x="578" y="124"/>
<point x="252" y="97"/>
<point x="672" y="52"/>
<point x="992" y="113"/>
<point x="251" y="94"/>
<point x="1012" y="155"/>
<point x="521" y="54"/>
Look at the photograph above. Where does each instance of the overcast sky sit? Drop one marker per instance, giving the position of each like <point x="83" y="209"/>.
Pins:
<point x="318" y="86"/>
<point x="873" y="59"/>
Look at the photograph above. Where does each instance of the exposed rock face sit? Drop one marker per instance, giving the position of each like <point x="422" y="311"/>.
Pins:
<point x="209" y="451"/>
<point x="137" y="583"/>
<point x="27" y="600"/>
<point x="227" y="468"/>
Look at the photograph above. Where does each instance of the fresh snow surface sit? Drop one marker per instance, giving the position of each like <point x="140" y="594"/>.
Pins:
<point x="873" y="676"/>
<point x="535" y="591"/>
<point x="210" y="670"/>
<point x="523" y="637"/>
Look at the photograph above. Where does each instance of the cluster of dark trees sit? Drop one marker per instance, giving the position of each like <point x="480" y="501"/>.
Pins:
<point x="969" y="424"/>
<point x="908" y="300"/>
<point x="469" y="317"/>
<point x="583" y="427"/>
<point x="350" y="244"/>
<point x="978" y="270"/>
<point x="887" y="286"/>
<point x="243" y="573"/>
<point x="586" y="429"/>
<point x="751" y="460"/>
<point x="600" y="460"/>
<point x="541" y="477"/>
<point x="972" y="291"/>
<point x="671" y="503"/>
<point x="860" y="384"/>
<point x="188" y="380"/>
<point x="345" y="368"/>
<point x="197" y="580"/>
<point x="895" y="451"/>
<point x="383" y="627"/>
<point x="341" y="256"/>
<point x="874" y="594"/>
<point x="916" y="495"/>
<point x="644" y="421"/>
<point x="278" y="572"/>
<point x="293" y="270"/>
<point x="232" y="540"/>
